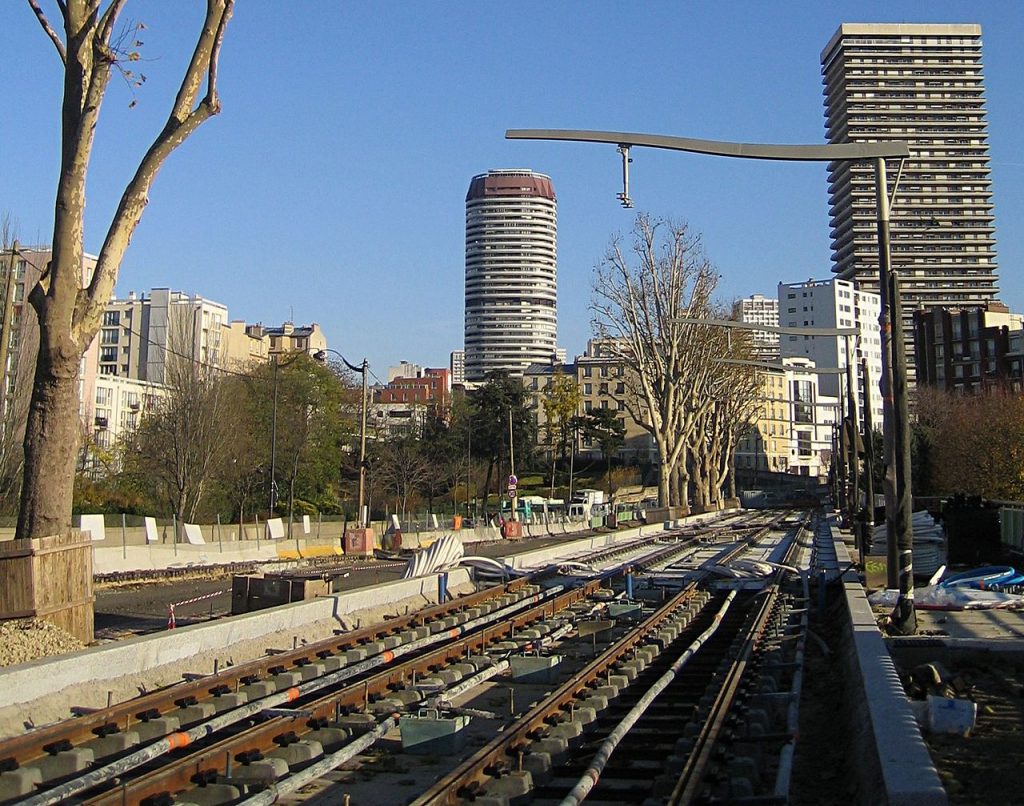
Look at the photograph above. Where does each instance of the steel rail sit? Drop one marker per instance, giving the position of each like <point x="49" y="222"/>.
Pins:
<point x="697" y="762"/>
<point x="27" y="747"/>
<point x="181" y="739"/>
<point x="592" y="774"/>
<point x="472" y="774"/>
<point x="469" y="778"/>
<point x="695" y="768"/>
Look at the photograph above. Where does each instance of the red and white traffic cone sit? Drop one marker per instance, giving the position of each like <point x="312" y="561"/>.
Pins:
<point x="171" y="623"/>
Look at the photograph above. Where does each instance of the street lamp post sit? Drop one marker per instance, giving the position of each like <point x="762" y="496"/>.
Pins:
<point x="362" y="369"/>
<point x="896" y="416"/>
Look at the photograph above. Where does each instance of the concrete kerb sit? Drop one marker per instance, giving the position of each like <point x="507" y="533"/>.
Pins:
<point x="30" y="681"/>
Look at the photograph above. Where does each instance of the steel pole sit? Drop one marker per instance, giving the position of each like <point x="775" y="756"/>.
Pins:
<point x="895" y="428"/>
<point x="362" y="448"/>
<point x="904" y="617"/>
<point x="869" y="463"/>
<point x="885" y="382"/>
<point x="851" y="411"/>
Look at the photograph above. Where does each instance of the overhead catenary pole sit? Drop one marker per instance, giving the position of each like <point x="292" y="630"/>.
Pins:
<point x="273" y="448"/>
<point x="899" y="534"/>
<point x="364" y="367"/>
<point x="851" y="412"/>
<point x="869" y="469"/>
<point x="895" y="427"/>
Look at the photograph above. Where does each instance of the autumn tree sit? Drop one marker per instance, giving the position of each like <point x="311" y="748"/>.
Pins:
<point x="402" y="467"/>
<point x="730" y="390"/>
<point x="70" y="311"/>
<point x="561" y="402"/>
<point x="641" y="296"/>
<point x="976" y="442"/>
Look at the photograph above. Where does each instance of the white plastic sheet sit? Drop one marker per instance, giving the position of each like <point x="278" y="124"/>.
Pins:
<point x="936" y="597"/>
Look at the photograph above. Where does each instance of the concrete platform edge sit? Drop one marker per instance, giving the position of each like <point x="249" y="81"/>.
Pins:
<point x="29" y="681"/>
<point x="908" y="775"/>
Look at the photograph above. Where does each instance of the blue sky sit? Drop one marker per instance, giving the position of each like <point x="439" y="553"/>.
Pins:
<point x="332" y="186"/>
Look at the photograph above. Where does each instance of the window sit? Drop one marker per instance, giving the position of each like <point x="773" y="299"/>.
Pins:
<point x="108" y="354"/>
<point x="108" y="336"/>
<point x="620" y="388"/>
<point x="102" y="396"/>
<point x="586" y="372"/>
<point x="588" y="389"/>
<point x="603" y="389"/>
<point x="111" y="318"/>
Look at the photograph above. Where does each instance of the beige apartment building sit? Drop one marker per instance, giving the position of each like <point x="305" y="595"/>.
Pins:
<point x="602" y="382"/>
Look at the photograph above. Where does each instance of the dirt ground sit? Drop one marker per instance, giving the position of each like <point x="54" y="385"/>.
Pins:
<point x="986" y="767"/>
<point x="820" y="772"/>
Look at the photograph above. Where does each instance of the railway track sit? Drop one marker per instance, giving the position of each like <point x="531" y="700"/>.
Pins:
<point x="265" y="730"/>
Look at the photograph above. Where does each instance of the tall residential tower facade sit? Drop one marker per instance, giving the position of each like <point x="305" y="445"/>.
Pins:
<point x="923" y="84"/>
<point x="511" y="272"/>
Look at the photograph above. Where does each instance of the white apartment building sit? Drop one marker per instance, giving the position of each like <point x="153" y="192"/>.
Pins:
<point x="139" y="333"/>
<point x="511" y="272"/>
<point x="812" y="417"/>
<point x="836" y="303"/>
<point x="405" y="369"/>
<point x="115" y="408"/>
<point x="457" y="365"/>
<point x="760" y="310"/>
<point x="923" y="84"/>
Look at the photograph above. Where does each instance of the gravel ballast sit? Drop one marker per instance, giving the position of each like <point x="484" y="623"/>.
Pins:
<point x="23" y="640"/>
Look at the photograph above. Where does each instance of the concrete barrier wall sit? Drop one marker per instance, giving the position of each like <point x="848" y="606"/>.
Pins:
<point x="30" y="681"/>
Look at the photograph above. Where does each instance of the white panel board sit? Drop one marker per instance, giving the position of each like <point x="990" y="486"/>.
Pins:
<point x="152" y="533"/>
<point x="194" y="534"/>
<point x="275" y="529"/>
<point x="94" y="525"/>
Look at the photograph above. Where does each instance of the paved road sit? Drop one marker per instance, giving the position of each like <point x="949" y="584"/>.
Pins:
<point x="143" y="607"/>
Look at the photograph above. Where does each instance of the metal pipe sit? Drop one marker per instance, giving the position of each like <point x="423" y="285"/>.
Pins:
<point x="324" y="766"/>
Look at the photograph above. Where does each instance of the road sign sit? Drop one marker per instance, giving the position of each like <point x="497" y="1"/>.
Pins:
<point x="511" y="492"/>
<point x="512" y="480"/>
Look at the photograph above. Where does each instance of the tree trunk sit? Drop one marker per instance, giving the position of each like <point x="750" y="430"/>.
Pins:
<point x="51" y="439"/>
<point x="664" y="482"/>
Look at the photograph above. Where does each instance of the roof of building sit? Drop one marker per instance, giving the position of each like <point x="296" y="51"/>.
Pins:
<point x="519" y="182"/>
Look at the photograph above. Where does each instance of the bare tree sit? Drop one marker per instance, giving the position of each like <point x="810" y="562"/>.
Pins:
<point x="402" y="468"/>
<point x="178" y="441"/>
<point x="70" y="310"/>
<point x="732" y="389"/>
<point x="638" y="308"/>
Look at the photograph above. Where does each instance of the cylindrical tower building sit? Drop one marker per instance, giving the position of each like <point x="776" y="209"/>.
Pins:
<point x="511" y="272"/>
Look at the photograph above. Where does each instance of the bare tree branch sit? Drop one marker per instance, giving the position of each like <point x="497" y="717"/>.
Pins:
<point x="186" y="116"/>
<point x="50" y="32"/>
